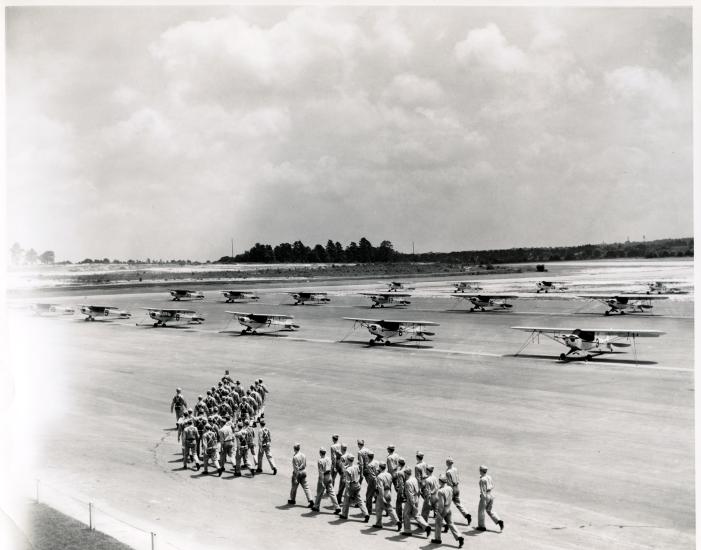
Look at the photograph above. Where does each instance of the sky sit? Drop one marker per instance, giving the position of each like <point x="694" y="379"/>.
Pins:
<point x="165" y="132"/>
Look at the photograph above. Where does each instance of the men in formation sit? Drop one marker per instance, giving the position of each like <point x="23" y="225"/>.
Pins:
<point x="419" y="491"/>
<point x="221" y="428"/>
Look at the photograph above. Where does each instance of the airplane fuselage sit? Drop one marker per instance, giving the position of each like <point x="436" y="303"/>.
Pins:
<point x="489" y="305"/>
<point x="161" y="317"/>
<point x="231" y="297"/>
<point x="381" y="301"/>
<point x="99" y="314"/>
<point x="186" y="295"/>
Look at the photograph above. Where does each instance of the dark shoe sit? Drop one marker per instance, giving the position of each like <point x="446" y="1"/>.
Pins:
<point x="501" y="525"/>
<point x="436" y="541"/>
<point x="343" y="517"/>
<point x="237" y="474"/>
<point x="399" y="526"/>
<point x="315" y="508"/>
<point x="377" y="526"/>
<point x="291" y="502"/>
<point x="367" y="518"/>
<point x="468" y="517"/>
<point x="337" y="511"/>
<point x="461" y="541"/>
<point x="445" y="528"/>
<point x="406" y="534"/>
<point x="428" y="531"/>
<point x="311" y="504"/>
<point x="274" y="471"/>
<point x="480" y="528"/>
<point x="259" y="471"/>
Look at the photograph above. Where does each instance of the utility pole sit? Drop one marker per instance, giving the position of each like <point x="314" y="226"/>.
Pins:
<point x="412" y="248"/>
<point x="232" y="247"/>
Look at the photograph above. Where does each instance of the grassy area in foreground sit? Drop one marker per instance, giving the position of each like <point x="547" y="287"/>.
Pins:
<point x="51" y="530"/>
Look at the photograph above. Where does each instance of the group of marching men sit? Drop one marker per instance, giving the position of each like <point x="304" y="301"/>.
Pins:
<point x="411" y="485"/>
<point x="221" y="426"/>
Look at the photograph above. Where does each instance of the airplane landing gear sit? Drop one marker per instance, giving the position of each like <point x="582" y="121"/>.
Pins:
<point x="563" y="357"/>
<point x="607" y="312"/>
<point x="156" y="324"/>
<point x="387" y="342"/>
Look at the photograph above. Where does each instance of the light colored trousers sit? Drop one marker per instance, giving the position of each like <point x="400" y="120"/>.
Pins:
<point x="382" y="504"/>
<point x="297" y="480"/>
<point x="486" y="506"/>
<point x="265" y="449"/>
<point x="446" y="518"/>
<point x="325" y="485"/>
<point x="411" y="512"/>
<point x="351" y="498"/>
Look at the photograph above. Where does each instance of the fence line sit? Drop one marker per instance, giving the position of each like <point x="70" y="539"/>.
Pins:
<point x="43" y="492"/>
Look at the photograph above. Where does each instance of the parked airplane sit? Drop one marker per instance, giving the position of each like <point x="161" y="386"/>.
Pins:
<point x="462" y="286"/>
<point x="660" y="287"/>
<point x="103" y="313"/>
<point x="393" y="286"/>
<point x="161" y="316"/>
<point x="313" y="297"/>
<point x="483" y="302"/>
<point x="587" y="344"/>
<point x="549" y="286"/>
<point x="384" y="330"/>
<point x="254" y="321"/>
<point x="385" y="298"/>
<point x="43" y="309"/>
<point x="233" y="295"/>
<point x="624" y="303"/>
<point x="183" y="294"/>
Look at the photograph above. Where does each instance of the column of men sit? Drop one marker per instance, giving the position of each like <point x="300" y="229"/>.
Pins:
<point x="418" y="491"/>
<point x="221" y="426"/>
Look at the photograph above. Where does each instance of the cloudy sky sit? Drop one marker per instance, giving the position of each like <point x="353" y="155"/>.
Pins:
<point x="165" y="132"/>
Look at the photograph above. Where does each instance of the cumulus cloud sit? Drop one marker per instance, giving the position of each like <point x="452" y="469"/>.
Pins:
<point x="487" y="47"/>
<point x="632" y="82"/>
<point x="306" y="122"/>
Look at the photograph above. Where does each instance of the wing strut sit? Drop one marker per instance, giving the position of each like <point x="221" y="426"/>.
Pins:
<point x="530" y="339"/>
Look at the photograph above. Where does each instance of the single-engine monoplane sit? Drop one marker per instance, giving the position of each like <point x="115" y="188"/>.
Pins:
<point x="51" y="309"/>
<point x="589" y="343"/>
<point x="253" y="321"/>
<point x="384" y="330"/>
<point x="382" y="299"/>
<point x="487" y="302"/>
<point x="163" y="316"/>
<point x="241" y="295"/>
<point x="661" y="287"/>
<point x="302" y="297"/>
<point x="624" y="303"/>
<point x="549" y="286"/>
<point x="103" y="313"/>
<point x="185" y="294"/>
<point x="394" y="286"/>
<point x="462" y="286"/>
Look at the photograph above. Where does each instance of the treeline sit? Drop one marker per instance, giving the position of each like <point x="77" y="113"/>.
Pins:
<point x="364" y="252"/>
<point x="662" y="248"/>
<point x="20" y="256"/>
<point x="146" y="261"/>
<point x="361" y="252"/>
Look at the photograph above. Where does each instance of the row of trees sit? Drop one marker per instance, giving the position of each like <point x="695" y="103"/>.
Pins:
<point x="361" y="252"/>
<point x="20" y="256"/>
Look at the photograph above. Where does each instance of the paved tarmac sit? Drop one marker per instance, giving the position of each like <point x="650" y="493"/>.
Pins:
<point x="595" y="454"/>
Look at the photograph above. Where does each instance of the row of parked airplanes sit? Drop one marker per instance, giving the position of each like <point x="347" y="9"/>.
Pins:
<point x="580" y="342"/>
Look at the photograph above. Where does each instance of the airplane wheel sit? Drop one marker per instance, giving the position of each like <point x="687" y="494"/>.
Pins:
<point x="623" y="312"/>
<point x="387" y="342"/>
<point x="176" y="299"/>
<point x="243" y="332"/>
<point x="372" y="306"/>
<point x="155" y="324"/>
<point x="589" y="357"/>
<point x="607" y="312"/>
<point x="371" y="342"/>
<point x="382" y="305"/>
<point x="471" y="310"/>
<point x="563" y="357"/>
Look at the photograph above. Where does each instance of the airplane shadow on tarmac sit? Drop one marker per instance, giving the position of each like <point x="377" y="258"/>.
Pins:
<point x="269" y="334"/>
<point x="409" y="345"/>
<point x="602" y="359"/>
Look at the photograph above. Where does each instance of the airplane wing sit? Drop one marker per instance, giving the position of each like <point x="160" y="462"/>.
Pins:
<point x="485" y="296"/>
<point x="98" y="308"/>
<point x="414" y="323"/>
<point x="387" y="294"/>
<point x="608" y="332"/>
<point x="361" y="320"/>
<point x="271" y="316"/>
<point x="628" y="296"/>
<point x="186" y="311"/>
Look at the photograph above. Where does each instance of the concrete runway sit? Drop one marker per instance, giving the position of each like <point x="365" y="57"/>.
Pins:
<point x="584" y="455"/>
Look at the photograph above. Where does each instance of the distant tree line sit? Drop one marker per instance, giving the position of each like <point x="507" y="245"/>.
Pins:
<point x="364" y="252"/>
<point x="361" y="252"/>
<point x="662" y="248"/>
<point x="20" y="256"/>
<point x="146" y="261"/>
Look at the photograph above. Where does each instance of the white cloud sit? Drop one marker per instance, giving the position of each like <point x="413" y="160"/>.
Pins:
<point x="636" y="83"/>
<point x="487" y="47"/>
<point x="411" y="89"/>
